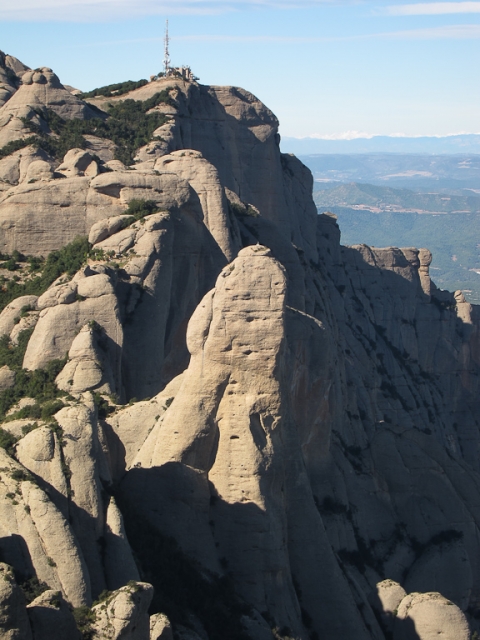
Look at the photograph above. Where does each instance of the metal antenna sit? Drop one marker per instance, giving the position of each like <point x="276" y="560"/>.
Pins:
<point x="166" y="60"/>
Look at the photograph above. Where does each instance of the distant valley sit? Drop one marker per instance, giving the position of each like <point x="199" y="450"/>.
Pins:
<point x="447" y="224"/>
<point x="451" y="174"/>
<point x="377" y="199"/>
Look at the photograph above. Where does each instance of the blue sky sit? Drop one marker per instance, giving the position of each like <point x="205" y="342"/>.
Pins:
<point x="326" y="68"/>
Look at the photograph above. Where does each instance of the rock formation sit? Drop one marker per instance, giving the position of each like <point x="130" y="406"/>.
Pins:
<point x="236" y="427"/>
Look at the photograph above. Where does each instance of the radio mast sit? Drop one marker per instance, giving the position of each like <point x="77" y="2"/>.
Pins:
<point x="166" y="60"/>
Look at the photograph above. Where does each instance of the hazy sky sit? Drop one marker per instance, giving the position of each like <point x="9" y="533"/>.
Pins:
<point x="331" y="68"/>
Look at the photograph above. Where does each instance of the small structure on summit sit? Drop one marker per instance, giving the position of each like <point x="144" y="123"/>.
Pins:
<point x="183" y="72"/>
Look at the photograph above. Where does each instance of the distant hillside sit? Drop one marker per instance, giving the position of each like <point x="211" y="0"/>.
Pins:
<point x="380" y="199"/>
<point x="468" y="143"/>
<point x="451" y="237"/>
<point x="437" y="173"/>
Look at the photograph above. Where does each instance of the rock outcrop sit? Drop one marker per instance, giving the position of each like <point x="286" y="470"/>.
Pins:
<point x="124" y="614"/>
<point x="427" y="616"/>
<point x="14" y="623"/>
<point x="51" y="618"/>
<point x="239" y="427"/>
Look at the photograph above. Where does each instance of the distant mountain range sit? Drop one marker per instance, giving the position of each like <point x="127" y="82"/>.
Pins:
<point x="452" y="174"/>
<point x="464" y="144"/>
<point x="368" y="197"/>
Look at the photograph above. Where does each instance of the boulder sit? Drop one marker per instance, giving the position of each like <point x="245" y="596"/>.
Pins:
<point x="386" y="601"/>
<point x="58" y="325"/>
<point x="38" y="170"/>
<point x="106" y="228"/>
<point x="51" y="618"/>
<point x="27" y="322"/>
<point x="42" y="88"/>
<point x="429" y="616"/>
<point x="10" y="315"/>
<point x="160" y="627"/>
<point x="7" y="378"/>
<point x="75" y="163"/>
<point x="124" y="614"/>
<point x="87" y="367"/>
<point x="14" y="623"/>
<point x="58" y="293"/>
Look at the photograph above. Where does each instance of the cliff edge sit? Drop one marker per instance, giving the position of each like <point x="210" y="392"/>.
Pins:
<point x="202" y="391"/>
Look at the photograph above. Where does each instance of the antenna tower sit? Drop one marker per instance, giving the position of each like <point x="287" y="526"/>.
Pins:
<point x="166" y="60"/>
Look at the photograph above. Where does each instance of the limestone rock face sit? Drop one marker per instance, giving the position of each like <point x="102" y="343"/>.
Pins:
<point x="427" y="616"/>
<point x="123" y="616"/>
<point x="83" y="457"/>
<point x="77" y="162"/>
<point x="57" y="326"/>
<point x="386" y="600"/>
<point x="43" y="215"/>
<point x="40" y="452"/>
<point x="51" y="618"/>
<point x="120" y="567"/>
<point x="42" y="88"/>
<point x="35" y="536"/>
<point x="300" y="445"/>
<point x="14" y="624"/>
<point x="11" y="71"/>
<point x="15" y="167"/>
<point x="204" y="179"/>
<point x="160" y="627"/>
<point x="10" y="315"/>
<point x="87" y="368"/>
<point x="105" y="228"/>
<point x="226" y="425"/>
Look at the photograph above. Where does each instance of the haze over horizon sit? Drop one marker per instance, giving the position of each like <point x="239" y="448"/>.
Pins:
<point x="328" y="70"/>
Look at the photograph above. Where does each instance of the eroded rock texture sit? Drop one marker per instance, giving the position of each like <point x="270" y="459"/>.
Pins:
<point x="302" y="417"/>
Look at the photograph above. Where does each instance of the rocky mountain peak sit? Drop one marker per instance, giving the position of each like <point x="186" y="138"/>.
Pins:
<point x="217" y="421"/>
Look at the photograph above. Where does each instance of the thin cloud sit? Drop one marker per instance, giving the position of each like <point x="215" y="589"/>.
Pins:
<point x="99" y="10"/>
<point x="360" y="135"/>
<point x="345" y="135"/>
<point x="432" y="8"/>
<point x="449" y="32"/>
<point x="452" y="32"/>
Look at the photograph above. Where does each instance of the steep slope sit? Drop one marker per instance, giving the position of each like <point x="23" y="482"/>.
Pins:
<point x="302" y="418"/>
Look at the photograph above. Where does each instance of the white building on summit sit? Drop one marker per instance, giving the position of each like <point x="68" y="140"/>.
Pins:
<point x="183" y="72"/>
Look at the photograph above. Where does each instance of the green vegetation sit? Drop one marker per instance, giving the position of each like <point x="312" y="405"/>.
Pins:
<point x="243" y="210"/>
<point x="32" y="588"/>
<point x="39" y="385"/>
<point x="16" y="145"/>
<point x="103" y="407"/>
<point x="67" y="260"/>
<point x="445" y="537"/>
<point x="12" y="355"/>
<point x="84" y="617"/>
<point x="130" y="126"/>
<point x="7" y="441"/>
<point x="127" y="123"/>
<point x="118" y="89"/>
<point x="138" y="209"/>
